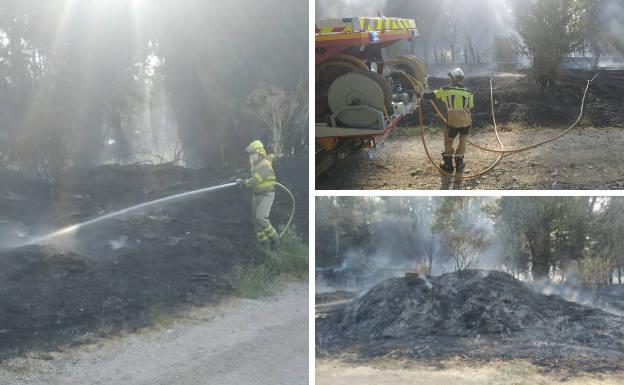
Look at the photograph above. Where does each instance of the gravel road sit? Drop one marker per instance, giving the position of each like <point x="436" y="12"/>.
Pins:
<point x="242" y="342"/>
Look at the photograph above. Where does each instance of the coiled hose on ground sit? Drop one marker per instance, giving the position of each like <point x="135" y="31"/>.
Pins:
<point x="502" y="152"/>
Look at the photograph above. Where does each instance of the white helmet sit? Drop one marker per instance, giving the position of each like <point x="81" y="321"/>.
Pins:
<point x="457" y="73"/>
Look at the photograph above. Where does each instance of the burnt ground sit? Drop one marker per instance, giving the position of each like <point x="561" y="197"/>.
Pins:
<point x="519" y="100"/>
<point x="120" y="275"/>
<point x="484" y="316"/>
<point x="589" y="157"/>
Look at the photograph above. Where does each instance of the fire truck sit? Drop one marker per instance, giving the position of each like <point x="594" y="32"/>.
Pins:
<point x="361" y="93"/>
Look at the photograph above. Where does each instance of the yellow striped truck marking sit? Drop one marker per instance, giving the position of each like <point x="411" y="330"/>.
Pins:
<point x="364" y="24"/>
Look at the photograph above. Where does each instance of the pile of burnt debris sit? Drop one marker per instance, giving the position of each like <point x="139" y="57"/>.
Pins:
<point x="478" y="315"/>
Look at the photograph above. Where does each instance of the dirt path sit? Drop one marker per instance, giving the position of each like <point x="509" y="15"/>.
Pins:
<point x="240" y="342"/>
<point x="334" y="372"/>
<point x="587" y="158"/>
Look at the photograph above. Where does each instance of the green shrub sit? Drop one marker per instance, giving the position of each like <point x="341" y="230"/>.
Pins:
<point x="289" y="261"/>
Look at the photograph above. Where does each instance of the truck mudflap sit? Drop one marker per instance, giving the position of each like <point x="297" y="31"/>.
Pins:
<point x="378" y="144"/>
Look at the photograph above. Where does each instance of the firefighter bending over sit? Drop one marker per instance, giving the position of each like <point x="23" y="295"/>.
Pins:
<point x="459" y="100"/>
<point x="262" y="185"/>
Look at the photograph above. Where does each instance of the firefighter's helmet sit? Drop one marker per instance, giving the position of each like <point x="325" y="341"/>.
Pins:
<point x="456" y="74"/>
<point x="256" y="147"/>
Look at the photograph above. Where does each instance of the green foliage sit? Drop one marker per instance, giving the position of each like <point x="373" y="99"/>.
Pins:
<point x="551" y="29"/>
<point x="537" y="237"/>
<point x="289" y="261"/>
<point x="457" y="221"/>
<point x="538" y="230"/>
<point x="343" y="223"/>
<point x="254" y="282"/>
<point x="291" y="258"/>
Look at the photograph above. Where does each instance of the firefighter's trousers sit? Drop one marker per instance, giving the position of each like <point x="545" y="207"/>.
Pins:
<point x="262" y="203"/>
<point x="450" y="133"/>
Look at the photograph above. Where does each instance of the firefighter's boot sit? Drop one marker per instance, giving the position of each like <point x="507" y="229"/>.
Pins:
<point x="459" y="165"/>
<point x="447" y="163"/>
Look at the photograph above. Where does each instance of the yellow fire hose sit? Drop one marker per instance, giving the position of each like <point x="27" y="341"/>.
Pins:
<point x="415" y="83"/>
<point x="351" y="63"/>
<point x="502" y="151"/>
<point x="292" y="212"/>
<point x="461" y="177"/>
<point x="441" y="116"/>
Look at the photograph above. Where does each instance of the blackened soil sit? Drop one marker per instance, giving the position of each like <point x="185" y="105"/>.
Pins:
<point x="126" y="272"/>
<point x="519" y="100"/>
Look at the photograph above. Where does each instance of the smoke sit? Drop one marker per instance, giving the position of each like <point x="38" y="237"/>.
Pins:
<point x="398" y="246"/>
<point x="403" y="241"/>
<point x="610" y="299"/>
<point x="611" y="17"/>
<point x="119" y="243"/>
<point x="348" y="8"/>
<point x="12" y="233"/>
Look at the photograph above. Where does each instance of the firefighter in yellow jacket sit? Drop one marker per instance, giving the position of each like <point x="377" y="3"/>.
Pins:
<point x="459" y="100"/>
<point x="262" y="185"/>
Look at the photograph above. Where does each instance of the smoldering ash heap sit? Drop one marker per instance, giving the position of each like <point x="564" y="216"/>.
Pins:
<point x="476" y="313"/>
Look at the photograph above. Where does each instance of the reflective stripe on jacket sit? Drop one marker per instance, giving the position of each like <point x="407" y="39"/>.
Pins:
<point x="262" y="176"/>
<point x="459" y="100"/>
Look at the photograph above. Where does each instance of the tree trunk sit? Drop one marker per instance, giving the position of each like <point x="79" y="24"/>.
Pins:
<point x="546" y="67"/>
<point x="540" y="248"/>
<point x="196" y="124"/>
<point x="122" y="144"/>
<point x="471" y="48"/>
<point x="337" y="239"/>
<point x="594" y="290"/>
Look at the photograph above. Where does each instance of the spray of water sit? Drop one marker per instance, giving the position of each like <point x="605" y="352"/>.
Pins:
<point x="169" y="199"/>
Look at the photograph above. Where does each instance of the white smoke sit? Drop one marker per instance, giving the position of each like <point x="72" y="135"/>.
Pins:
<point x="12" y="233"/>
<point x="119" y="243"/>
<point x="582" y="296"/>
<point x="348" y="8"/>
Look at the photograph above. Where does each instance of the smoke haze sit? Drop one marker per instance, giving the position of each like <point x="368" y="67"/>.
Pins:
<point x="348" y="8"/>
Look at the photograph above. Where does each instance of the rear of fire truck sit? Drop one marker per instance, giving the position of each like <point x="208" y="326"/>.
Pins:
<point x="360" y="95"/>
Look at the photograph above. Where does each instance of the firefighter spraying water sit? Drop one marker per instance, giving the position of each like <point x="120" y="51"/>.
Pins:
<point x="262" y="183"/>
<point x="363" y="94"/>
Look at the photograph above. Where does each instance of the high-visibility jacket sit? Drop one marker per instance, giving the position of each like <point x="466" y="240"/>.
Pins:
<point x="459" y="100"/>
<point x="262" y="176"/>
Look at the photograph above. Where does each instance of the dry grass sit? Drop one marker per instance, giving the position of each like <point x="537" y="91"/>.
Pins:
<point x="497" y="373"/>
